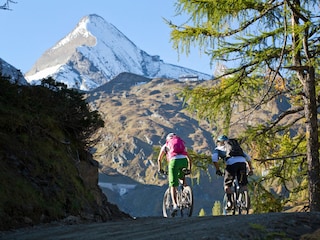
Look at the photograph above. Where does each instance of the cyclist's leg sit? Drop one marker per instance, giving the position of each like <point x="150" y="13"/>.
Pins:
<point x="242" y="175"/>
<point x="182" y="163"/>
<point x="173" y="180"/>
<point x="229" y="176"/>
<point x="243" y="182"/>
<point x="173" y="192"/>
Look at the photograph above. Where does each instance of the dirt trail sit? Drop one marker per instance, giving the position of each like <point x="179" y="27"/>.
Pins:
<point x="255" y="226"/>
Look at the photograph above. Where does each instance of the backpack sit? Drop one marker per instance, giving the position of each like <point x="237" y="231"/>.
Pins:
<point x="176" y="145"/>
<point x="233" y="148"/>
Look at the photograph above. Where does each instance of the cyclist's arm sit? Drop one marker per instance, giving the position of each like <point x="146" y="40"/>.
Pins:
<point x="189" y="161"/>
<point x="160" y="156"/>
<point x="216" y="165"/>
<point x="215" y="159"/>
<point x="248" y="159"/>
<point x="250" y="169"/>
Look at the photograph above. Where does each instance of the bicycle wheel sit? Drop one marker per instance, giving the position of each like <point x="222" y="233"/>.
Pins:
<point x="224" y="204"/>
<point x="167" y="205"/>
<point x="225" y="210"/>
<point x="234" y="203"/>
<point x="244" y="203"/>
<point x="186" y="202"/>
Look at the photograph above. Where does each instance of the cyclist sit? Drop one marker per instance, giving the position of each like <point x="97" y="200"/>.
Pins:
<point x="176" y="162"/>
<point x="234" y="166"/>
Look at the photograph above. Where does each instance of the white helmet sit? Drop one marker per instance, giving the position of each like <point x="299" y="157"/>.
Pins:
<point x="170" y="135"/>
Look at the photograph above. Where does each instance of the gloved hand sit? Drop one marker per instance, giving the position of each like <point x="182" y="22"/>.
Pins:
<point x="160" y="171"/>
<point x="250" y="173"/>
<point x="218" y="172"/>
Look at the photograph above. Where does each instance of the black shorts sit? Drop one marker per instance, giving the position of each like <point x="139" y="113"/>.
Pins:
<point x="237" y="169"/>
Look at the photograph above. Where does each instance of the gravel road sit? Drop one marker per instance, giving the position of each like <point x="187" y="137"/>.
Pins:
<point x="254" y="226"/>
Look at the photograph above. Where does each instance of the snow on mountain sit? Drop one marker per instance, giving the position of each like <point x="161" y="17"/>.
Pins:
<point x="95" y="52"/>
<point x="14" y="75"/>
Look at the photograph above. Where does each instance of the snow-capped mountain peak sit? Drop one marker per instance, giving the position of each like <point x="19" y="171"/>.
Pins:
<point x="14" y="75"/>
<point x="94" y="53"/>
<point x="79" y="31"/>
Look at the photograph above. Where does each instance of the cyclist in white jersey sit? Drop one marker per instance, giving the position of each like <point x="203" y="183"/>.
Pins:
<point x="234" y="166"/>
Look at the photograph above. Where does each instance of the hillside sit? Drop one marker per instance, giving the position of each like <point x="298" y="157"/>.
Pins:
<point x="46" y="174"/>
<point x="138" y="114"/>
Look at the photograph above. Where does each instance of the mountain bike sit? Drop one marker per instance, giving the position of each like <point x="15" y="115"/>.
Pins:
<point x="240" y="200"/>
<point x="184" y="199"/>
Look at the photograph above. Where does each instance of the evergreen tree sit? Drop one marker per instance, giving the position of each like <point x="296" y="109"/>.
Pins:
<point x="202" y="213"/>
<point x="216" y="209"/>
<point x="271" y="49"/>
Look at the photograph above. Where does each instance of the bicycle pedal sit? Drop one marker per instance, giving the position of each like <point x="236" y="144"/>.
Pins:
<point x="174" y="212"/>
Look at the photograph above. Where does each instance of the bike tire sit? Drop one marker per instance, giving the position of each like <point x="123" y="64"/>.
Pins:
<point x="167" y="205"/>
<point x="187" y="202"/>
<point x="234" y="196"/>
<point x="232" y="211"/>
<point x="224" y="204"/>
<point x="244" y="203"/>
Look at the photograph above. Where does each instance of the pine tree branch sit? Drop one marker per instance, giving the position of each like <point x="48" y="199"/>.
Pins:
<point x="264" y="160"/>
<point x="6" y="5"/>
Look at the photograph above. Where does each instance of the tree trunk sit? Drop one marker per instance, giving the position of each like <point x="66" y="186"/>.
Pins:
<point x="307" y="79"/>
<point x="310" y="108"/>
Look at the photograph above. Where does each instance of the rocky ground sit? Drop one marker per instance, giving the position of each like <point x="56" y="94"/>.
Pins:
<point x="256" y="226"/>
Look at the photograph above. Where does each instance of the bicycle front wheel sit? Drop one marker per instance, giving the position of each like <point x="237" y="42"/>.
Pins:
<point x="167" y="204"/>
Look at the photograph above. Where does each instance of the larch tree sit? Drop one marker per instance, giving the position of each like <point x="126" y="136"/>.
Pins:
<point x="271" y="50"/>
<point x="6" y="6"/>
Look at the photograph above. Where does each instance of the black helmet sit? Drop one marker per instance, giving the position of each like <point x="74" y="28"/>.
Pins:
<point x="222" y="138"/>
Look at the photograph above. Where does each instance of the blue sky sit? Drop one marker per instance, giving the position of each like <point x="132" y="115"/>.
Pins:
<point x="34" y="26"/>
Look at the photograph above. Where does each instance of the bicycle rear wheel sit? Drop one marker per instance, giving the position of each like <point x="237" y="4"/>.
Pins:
<point x="224" y="205"/>
<point x="228" y="211"/>
<point x="186" y="202"/>
<point x="167" y="204"/>
<point x="244" y="203"/>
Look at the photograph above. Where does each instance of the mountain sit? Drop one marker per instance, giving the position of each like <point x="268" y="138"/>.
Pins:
<point x="10" y="72"/>
<point x="95" y="52"/>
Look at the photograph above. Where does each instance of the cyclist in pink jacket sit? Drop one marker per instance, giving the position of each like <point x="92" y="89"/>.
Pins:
<point x="177" y="158"/>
